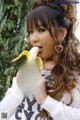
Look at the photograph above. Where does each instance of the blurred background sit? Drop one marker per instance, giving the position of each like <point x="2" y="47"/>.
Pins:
<point x="13" y="38"/>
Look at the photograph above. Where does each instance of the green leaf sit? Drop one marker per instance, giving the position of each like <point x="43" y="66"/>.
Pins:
<point x="12" y="43"/>
<point x="10" y="25"/>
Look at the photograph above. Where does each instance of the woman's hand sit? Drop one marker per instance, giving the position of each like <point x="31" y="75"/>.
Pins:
<point x="37" y="87"/>
<point x="40" y="93"/>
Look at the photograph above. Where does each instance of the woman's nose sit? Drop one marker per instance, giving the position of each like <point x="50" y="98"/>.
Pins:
<point x="34" y="38"/>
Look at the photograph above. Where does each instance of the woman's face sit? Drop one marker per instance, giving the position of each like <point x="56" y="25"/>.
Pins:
<point x="42" y="38"/>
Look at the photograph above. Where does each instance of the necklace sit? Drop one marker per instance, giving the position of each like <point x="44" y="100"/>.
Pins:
<point x="47" y="68"/>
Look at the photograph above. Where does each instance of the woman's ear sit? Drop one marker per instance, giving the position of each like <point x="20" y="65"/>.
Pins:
<point x="63" y="33"/>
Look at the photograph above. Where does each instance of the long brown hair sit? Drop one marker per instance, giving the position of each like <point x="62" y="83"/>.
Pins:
<point x="51" y="13"/>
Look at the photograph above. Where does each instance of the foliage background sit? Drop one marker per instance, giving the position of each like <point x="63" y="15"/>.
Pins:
<point x="13" y="38"/>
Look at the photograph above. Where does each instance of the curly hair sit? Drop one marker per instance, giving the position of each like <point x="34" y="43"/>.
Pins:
<point x="57" y="14"/>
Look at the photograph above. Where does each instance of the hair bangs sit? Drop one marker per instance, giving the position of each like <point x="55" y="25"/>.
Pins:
<point x="36" y="16"/>
<point x="47" y="17"/>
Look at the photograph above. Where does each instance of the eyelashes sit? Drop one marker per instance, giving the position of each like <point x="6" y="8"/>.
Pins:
<point x="30" y="32"/>
<point x="40" y="29"/>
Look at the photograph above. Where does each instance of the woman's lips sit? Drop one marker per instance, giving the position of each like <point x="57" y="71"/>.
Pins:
<point x="40" y="49"/>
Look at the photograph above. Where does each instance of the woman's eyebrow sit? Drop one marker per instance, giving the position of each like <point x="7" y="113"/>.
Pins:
<point x="41" y="26"/>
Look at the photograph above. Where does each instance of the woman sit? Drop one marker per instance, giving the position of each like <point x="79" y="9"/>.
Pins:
<point x="50" y="27"/>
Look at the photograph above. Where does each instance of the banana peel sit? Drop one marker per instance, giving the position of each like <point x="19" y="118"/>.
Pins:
<point x="30" y="71"/>
<point x="29" y="57"/>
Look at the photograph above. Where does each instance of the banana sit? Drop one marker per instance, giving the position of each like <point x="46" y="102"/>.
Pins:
<point x="30" y="72"/>
<point x="31" y="56"/>
<point x="33" y="53"/>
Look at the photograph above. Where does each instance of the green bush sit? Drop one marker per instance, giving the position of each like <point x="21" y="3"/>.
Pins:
<point x="13" y="38"/>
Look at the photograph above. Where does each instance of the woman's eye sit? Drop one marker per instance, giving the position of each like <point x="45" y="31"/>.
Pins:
<point x="41" y="29"/>
<point x="30" y="31"/>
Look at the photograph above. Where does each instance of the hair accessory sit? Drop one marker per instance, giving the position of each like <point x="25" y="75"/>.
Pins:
<point x="59" y="48"/>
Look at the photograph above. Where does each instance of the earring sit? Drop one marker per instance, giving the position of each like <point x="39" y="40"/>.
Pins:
<point x="59" y="48"/>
